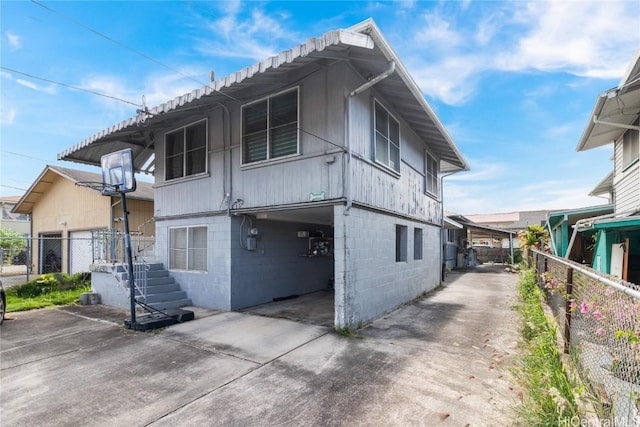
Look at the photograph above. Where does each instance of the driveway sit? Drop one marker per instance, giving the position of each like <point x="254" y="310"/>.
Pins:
<point x="441" y="360"/>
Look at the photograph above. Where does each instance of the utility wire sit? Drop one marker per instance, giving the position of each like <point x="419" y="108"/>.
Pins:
<point x="24" y="155"/>
<point x="150" y="58"/>
<point x="70" y="86"/>
<point x="14" y="188"/>
<point x="112" y="40"/>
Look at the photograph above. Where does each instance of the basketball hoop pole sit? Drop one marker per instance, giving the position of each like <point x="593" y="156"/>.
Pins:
<point x="127" y="247"/>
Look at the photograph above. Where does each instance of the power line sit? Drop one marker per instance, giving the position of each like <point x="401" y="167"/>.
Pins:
<point x="14" y="188"/>
<point x="70" y="86"/>
<point x="112" y="40"/>
<point x="150" y="58"/>
<point x="24" y="155"/>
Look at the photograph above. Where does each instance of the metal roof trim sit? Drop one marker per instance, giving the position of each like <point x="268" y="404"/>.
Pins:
<point x="310" y="46"/>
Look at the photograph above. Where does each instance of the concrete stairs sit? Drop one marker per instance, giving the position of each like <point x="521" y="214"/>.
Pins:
<point x="162" y="291"/>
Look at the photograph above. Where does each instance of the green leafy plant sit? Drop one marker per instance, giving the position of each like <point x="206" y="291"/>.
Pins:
<point x="549" y="395"/>
<point x="47" y="290"/>
<point x="11" y="243"/>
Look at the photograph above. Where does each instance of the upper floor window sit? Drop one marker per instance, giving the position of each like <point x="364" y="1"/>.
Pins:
<point x="387" y="138"/>
<point x="270" y="127"/>
<point x="432" y="186"/>
<point x="630" y="146"/>
<point x="186" y="151"/>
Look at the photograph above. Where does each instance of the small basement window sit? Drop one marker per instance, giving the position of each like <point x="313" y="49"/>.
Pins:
<point x="401" y="243"/>
<point x="417" y="243"/>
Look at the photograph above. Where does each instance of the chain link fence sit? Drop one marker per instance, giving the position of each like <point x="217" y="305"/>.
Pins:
<point x="52" y="253"/>
<point x="600" y="321"/>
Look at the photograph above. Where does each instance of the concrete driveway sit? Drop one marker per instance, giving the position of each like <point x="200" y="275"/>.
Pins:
<point x="442" y="360"/>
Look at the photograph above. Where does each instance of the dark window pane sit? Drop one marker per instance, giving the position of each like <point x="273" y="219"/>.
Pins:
<point x="394" y="158"/>
<point x="174" y="143"/>
<point x="381" y="119"/>
<point x="394" y="131"/>
<point x="197" y="136"/>
<point x="382" y="149"/>
<point x="255" y="147"/>
<point x="254" y="118"/>
<point x="173" y="166"/>
<point x="284" y="140"/>
<point x="196" y="162"/>
<point x="284" y="109"/>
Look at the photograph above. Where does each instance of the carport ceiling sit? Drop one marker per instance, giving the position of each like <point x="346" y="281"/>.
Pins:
<point x="319" y="215"/>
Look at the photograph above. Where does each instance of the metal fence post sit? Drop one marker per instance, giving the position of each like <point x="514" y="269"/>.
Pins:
<point x="567" y="311"/>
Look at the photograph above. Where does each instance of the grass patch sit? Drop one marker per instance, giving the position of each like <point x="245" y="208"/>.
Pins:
<point x="47" y="290"/>
<point x="350" y="331"/>
<point x="549" y="396"/>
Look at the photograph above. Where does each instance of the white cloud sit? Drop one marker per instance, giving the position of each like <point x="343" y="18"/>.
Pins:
<point x="586" y="39"/>
<point x="437" y="32"/>
<point x="7" y="114"/>
<point x="591" y="39"/>
<point x="253" y="35"/>
<point x="13" y="40"/>
<point x="28" y="84"/>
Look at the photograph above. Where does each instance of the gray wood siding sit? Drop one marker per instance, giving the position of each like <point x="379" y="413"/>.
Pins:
<point x="319" y="166"/>
<point x="626" y="183"/>
<point x="375" y="187"/>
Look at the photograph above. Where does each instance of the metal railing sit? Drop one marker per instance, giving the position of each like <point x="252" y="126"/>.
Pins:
<point x="53" y="253"/>
<point x="600" y="321"/>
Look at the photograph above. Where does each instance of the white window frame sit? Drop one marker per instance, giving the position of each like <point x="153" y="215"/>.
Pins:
<point x="188" y="249"/>
<point x="269" y="128"/>
<point x="389" y="143"/>
<point x="402" y="232"/>
<point x="418" y="244"/>
<point x="630" y="146"/>
<point x="430" y="176"/>
<point x="185" y="151"/>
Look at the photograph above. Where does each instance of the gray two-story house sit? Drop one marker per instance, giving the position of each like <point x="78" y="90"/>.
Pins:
<point x="317" y="168"/>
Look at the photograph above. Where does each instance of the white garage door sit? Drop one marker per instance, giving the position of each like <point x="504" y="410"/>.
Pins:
<point x="80" y="250"/>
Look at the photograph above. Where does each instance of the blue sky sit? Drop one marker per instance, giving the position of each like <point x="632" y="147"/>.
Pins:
<point x="513" y="82"/>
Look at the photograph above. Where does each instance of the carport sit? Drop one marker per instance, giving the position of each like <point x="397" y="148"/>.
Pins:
<point x="291" y="262"/>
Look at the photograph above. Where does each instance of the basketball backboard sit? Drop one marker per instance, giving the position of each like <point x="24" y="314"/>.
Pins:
<point x="117" y="172"/>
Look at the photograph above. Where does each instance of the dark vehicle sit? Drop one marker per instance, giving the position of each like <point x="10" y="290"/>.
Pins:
<point x="20" y="259"/>
<point x="3" y="303"/>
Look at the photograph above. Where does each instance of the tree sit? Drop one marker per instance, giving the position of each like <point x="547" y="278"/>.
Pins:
<point x="535" y="236"/>
<point x="11" y="243"/>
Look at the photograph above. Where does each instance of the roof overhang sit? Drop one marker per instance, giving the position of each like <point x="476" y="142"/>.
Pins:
<point x="362" y="45"/>
<point x="627" y="224"/>
<point x="574" y="215"/>
<point x="604" y="187"/>
<point x="615" y="111"/>
<point x="450" y="224"/>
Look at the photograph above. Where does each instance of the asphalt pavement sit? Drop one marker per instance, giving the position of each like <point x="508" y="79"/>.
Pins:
<point x="441" y="360"/>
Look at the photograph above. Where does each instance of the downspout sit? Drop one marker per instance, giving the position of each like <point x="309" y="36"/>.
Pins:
<point x="442" y="261"/>
<point x="226" y="141"/>
<point x="358" y="90"/>
<point x="553" y="243"/>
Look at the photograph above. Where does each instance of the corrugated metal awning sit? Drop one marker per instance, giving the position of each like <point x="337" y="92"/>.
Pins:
<point x="362" y="45"/>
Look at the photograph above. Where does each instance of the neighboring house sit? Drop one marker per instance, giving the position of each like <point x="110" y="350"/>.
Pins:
<point x="66" y="218"/>
<point x="454" y="238"/>
<point x="483" y="243"/>
<point x="506" y="221"/>
<point x="563" y="229"/>
<point x="615" y="120"/>
<point x="13" y="221"/>
<point x="318" y="167"/>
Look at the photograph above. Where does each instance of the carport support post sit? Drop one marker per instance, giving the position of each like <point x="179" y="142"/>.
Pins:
<point x="127" y="248"/>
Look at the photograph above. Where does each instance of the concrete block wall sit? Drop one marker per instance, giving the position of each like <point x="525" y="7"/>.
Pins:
<point x="111" y="290"/>
<point x="369" y="281"/>
<point x="276" y="268"/>
<point x="210" y="289"/>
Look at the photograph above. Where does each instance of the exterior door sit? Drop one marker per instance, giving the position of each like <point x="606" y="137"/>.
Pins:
<point x="50" y="256"/>
<point x="80" y="251"/>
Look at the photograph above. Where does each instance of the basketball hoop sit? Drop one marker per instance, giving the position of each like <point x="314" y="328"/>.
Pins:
<point x="98" y="186"/>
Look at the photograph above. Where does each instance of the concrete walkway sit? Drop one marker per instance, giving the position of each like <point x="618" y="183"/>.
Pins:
<point x="442" y="360"/>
